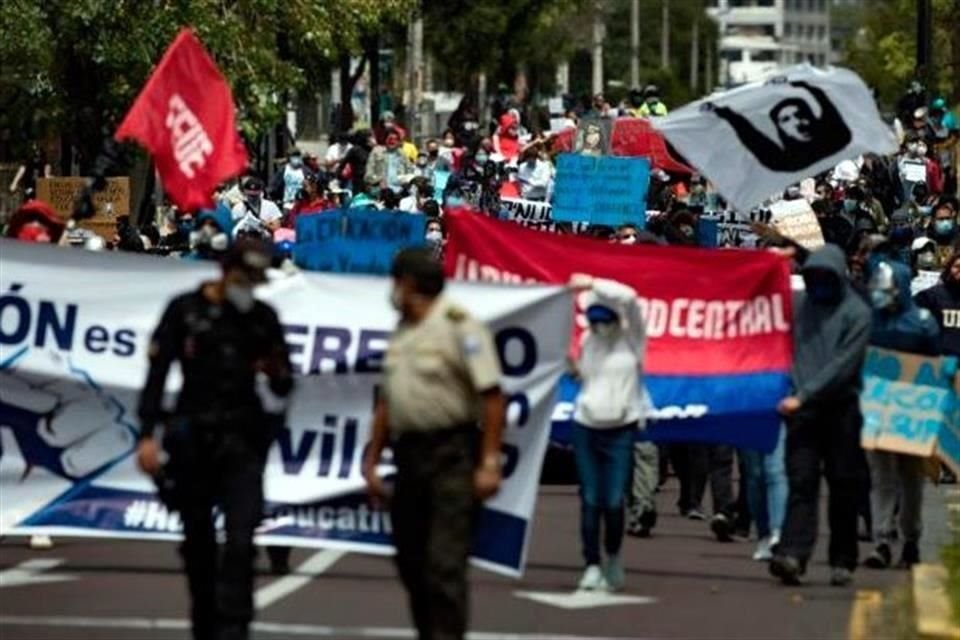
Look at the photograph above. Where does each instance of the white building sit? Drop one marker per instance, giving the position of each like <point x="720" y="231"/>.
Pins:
<point x="760" y="37"/>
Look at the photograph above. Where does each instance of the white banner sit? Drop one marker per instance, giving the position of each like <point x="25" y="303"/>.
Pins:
<point x="536" y="215"/>
<point x="74" y="327"/>
<point x="759" y="139"/>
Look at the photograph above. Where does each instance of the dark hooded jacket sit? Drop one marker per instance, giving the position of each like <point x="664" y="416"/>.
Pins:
<point x="906" y="327"/>
<point x="943" y="301"/>
<point x="830" y="335"/>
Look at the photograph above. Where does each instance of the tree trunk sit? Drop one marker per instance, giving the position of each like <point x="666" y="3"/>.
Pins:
<point x="695" y="55"/>
<point x="598" y="34"/>
<point x="372" y="53"/>
<point x="634" y="44"/>
<point x="665" y="35"/>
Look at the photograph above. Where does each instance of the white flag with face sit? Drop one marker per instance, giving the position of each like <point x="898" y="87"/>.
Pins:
<point x="758" y="139"/>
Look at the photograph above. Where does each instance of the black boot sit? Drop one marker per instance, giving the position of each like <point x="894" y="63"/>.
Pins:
<point x="909" y="556"/>
<point x="788" y="569"/>
<point x="880" y="558"/>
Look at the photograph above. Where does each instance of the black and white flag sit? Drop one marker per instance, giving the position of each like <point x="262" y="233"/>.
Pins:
<point x="756" y="140"/>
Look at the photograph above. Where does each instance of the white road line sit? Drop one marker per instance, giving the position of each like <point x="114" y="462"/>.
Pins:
<point x="315" y="631"/>
<point x="301" y="577"/>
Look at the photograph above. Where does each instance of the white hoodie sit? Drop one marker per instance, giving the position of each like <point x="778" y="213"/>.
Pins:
<point x="611" y="368"/>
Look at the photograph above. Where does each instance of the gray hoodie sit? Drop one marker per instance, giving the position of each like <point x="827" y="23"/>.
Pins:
<point x="830" y="337"/>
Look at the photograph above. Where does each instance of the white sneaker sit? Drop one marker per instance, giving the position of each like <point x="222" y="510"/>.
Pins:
<point x="615" y="574"/>
<point x="41" y="543"/>
<point x="764" y="552"/>
<point x="592" y="579"/>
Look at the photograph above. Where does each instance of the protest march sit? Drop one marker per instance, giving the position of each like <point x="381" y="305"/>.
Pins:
<point x="520" y="343"/>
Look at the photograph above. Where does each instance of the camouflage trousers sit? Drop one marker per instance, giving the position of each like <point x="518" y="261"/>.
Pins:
<point x="643" y="486"/>
<point x="433" y="511"/>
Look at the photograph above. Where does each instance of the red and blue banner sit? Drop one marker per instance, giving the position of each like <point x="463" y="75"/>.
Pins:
<point x="718" y="322"/>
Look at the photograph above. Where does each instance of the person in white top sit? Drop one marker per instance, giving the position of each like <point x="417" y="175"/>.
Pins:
<point x="608" y="411"/>
<point x="255" y="211"/>
<point x="534" y="173"/>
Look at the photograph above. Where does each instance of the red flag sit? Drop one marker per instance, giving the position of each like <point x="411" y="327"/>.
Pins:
<point x="185" y="117"/>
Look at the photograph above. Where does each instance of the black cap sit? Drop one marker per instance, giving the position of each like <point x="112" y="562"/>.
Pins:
<point x="251" y="256"/>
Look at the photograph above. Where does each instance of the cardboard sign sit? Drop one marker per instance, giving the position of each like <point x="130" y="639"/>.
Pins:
<point x="61" y="193"/>
<point x="910" y="405"/>
<point x="796" y="220"/>
<point x="601" y="190"/>
<point x="355" y="240"/>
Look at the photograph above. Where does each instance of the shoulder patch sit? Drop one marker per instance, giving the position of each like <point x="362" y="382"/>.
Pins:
<point x="456" y="314"/>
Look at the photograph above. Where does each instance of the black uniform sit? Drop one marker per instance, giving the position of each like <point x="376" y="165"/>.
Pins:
<point x="217" y="441"/>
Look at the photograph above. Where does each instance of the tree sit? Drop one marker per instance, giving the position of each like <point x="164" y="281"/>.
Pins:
<point x="882" y="48"/>
<point x="73" y="67"/>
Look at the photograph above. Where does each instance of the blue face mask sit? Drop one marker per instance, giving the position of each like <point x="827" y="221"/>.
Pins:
<point x="482" y="158"/>
<point x="849" y="205"/>
<point x="943" y="227"/>
<point x="454" y="201"/>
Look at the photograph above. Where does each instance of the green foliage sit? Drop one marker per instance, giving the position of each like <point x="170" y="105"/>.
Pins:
<point x="882" y="46"/>
<point x="75" y="66"/>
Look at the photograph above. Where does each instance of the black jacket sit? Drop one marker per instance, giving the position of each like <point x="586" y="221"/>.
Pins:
<point x="220" y="351"/>
<point x="943" y="301"/>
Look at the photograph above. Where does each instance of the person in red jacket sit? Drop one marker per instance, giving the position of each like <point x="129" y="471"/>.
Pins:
<point x="506" y="141"/>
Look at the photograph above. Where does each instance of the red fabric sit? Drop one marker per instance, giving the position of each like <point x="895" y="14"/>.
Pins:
<point x="633" y="137"/>
<point x="185" y="117"/>
<point x="679" y="289"/>
<point x="509" y="145"/>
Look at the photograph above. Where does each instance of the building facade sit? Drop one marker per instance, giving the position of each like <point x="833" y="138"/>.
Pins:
<point x="758" y="38"/>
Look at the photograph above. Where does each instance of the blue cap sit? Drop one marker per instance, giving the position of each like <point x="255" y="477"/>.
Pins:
<point x="598" y="313"/>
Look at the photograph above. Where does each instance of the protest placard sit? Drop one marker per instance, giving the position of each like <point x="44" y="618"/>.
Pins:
<point x="796" y="220"/>
<point x="910" y="405"/>
<point x="536" y="215"/>
<point x="355" y="241"/>
<point x="605" y="190"/>
<point x="62" y="192"/>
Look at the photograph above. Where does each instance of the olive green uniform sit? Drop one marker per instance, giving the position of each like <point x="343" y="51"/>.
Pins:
<point x="435" y="372"/>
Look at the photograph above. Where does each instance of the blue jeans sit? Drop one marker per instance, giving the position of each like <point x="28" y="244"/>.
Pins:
<point x="604" y="459"/>
<point x="767" y="487"/>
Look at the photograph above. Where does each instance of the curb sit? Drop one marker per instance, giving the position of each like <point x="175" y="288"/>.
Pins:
<point x="934" y="619"/>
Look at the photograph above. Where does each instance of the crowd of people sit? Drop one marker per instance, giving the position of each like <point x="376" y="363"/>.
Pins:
<point x="889" y="277"/>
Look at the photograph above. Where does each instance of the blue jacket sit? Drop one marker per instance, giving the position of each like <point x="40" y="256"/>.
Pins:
<point x="907" y="327"/>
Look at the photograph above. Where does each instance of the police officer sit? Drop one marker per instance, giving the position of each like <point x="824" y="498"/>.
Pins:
<point x="442" y="379"/>
<point x="233" y="356"/>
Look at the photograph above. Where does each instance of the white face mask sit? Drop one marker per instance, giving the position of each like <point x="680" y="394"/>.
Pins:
<point x="434" y="237"/>
<point x="240" y="296"/>
<point x="604" y="329"/>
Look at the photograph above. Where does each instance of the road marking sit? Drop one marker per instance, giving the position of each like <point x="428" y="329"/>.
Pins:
<point x="582" y="599"/>
<point x="315" y="631"/>
<point x="864" y="606"/>
<point x="299" y="578"/>
<point x="30" y="572"/>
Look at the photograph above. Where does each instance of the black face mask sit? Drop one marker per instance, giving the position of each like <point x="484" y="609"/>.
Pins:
<point x="434" y="153"/>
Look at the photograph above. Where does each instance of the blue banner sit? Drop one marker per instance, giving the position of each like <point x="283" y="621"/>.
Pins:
<point x="603" y="190"/>
<point x="355" y="240"/>
<point x="726" y="411"/>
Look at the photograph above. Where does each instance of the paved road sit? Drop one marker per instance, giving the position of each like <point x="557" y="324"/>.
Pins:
<point x="681" y="584"/>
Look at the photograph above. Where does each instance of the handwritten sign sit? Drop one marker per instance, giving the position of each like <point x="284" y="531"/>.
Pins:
<point x="62" y="192"/>
<point x="796" y="220"/>
<point x="605" y="190"/>
<point x="910" y="405"/>
<point x="355" y="240"/>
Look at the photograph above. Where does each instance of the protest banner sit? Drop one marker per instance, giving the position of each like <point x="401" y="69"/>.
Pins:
<point x="718" y="322"/>
<point x="796" y="220"/>
<point x="760" y="138"/>
<point x="601" y="190"/>
<point x="61" y="193"/>
<point x="73" y="354"/>
<point x="631" y="137"/>
<point x="910" y="405"/>
<point x="354" y="240"/>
